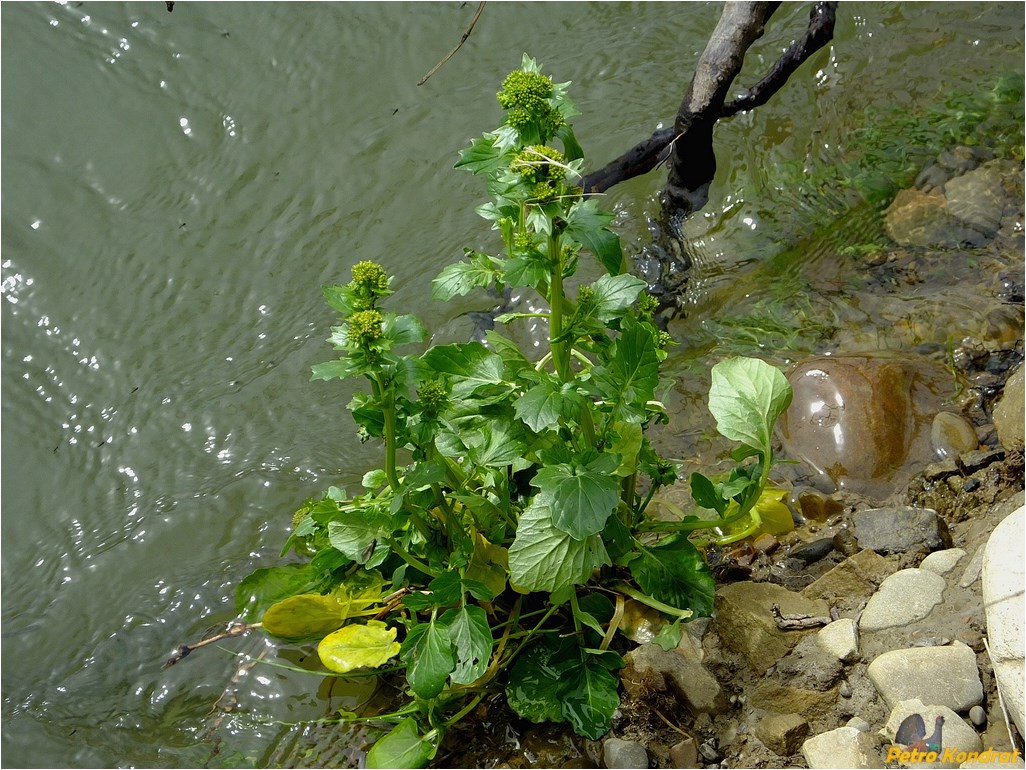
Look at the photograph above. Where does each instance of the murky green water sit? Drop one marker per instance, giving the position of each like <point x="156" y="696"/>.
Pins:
<point x="176" y="187"/>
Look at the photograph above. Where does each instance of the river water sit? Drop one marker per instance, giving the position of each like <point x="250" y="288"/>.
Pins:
<point x="176" y="187"/>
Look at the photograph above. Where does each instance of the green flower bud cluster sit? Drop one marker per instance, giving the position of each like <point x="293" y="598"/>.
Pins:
<point x="539" y="165"/>
<point x="365" y="326"/>
<point x="370" y="282"/>
<point x="647" y="307"/>
<point x="523" y="241"/>
<point x="524" y="96"/>
<point x="300" y="515"/>
<point x="432" y="395"/>
<point x="585" y="294"/>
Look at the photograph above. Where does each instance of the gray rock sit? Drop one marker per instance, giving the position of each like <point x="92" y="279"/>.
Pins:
<point x="843" y="747"/>
<point x="782" y="733"/>
<point x="943" y="676"/>
<point x="684" y="753"/>
<point x="859" y="724"/>
<point x="1008" y="412"/>
<point x="956" y="735"/>
<point x="900" y="529"/>
<point x="809" y="666"/>
<point x="977" y="199"/>
<point x="973" y="569"/>
<point x="649" y="668"/>
<point x="840" y="639"/>
<point x="942" y="562"/>
<point x="905" y="597"/>
<point x="978" y="716"/>
<point x="617" y="752"/>
<point x="1003" y="580"/>
<point x="952" y="434"/>
<point x="745" y="625"/>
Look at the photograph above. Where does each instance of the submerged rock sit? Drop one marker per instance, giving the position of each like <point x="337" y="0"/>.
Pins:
<point x="862" y="423"/>
<point x="625" y="754"/>
<point x="1008" y="412"/>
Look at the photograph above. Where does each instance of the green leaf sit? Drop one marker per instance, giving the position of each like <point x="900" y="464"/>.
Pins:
<point x="358" y="646"/>
<point x="705" y="495"/>
<point x="483" y="156"/>
<point x="512" y="356"/>
<point x="501" y="445"/>
<point x="488" y="565"/>
<point x="613" y="294"/>
<point x="471" y="366"/>
<point x="526" y="269"/>
<point x="587" y="224"/>
<point x="402" y="329"/>
<point x="402" y="747"/>
<point x="267" y="586"/>
<point x="544" y="558"/>
<point x="472" y="637"/>
<point x="461" y="278"/>
<point x="590" y="698"/>
<point x="746" y="398"/>
<point x="541" y="406"/>
<point x="534" y="685"/>
<point x="627" y="444"/>
<point x="675" y="573"/>
<point x="630" y="378"/>
<point x="428" y="655"/>
<point x="329" y="370"/>
<point x="306" y="616"/>
<point x="580" y="498"/>
<point x="361" y="535"/>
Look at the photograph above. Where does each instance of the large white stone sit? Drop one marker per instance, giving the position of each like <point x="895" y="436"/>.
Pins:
<point x="940" y="676"/>
<point x="905" y="597"/>
<point x="1004" y="581"/>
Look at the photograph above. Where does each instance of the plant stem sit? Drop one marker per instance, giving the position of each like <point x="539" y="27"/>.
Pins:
<point x="387" y="401"/>
<point x="412" y="560"/>
<point x="556" y="299"/>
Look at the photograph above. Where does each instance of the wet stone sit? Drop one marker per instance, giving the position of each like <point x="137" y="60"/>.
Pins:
<point x="858" y="575"/>
<point x="945" y="676"/>
<point x="903" y="598"/>
<point x="684" y="753"/>
<point x="1008" y="412"/>
<point x="900" y="529"/>
<point x="952" y="434"/>
<point x="977" y="199"/>
<point x="812" y="552"/>
<point x="862" y="424"/>
<point x="618" y="753"/>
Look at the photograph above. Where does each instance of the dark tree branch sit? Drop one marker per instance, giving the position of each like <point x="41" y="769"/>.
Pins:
<point x="692" y="161"/>
<point x="649" y="153"/>
<point x="819" y="33"/>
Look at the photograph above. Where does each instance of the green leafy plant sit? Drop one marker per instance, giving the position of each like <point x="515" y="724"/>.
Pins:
<point x="511" y="516"/>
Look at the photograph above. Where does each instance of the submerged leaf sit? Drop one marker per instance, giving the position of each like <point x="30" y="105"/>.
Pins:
<point x="358" y="646"/>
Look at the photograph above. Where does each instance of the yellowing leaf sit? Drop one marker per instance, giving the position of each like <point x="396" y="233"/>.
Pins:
<point x="776" y="516"/>
<point x="356" y="646"/>
<point x="303" y="616"/>
<point x="360" y="594"/>
<point x="488" y="565"/>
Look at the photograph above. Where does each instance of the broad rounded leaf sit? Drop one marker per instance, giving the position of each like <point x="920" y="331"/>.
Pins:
<point x="581" y="498"/>
<point x="303" y="616"/>
<point x="402" y="747"/>
<point x="746" y="398"/>
<point x="358" y="646"/>
<point x="429" y="658"/>
<point x="544" y="558"/>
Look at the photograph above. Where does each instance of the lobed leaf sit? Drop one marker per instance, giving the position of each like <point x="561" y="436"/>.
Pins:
<point x="545" y="558"/>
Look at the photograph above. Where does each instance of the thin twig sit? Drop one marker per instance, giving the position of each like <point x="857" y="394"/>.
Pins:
<point x="477" y="15"/>
<point x="234" y="628"/>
